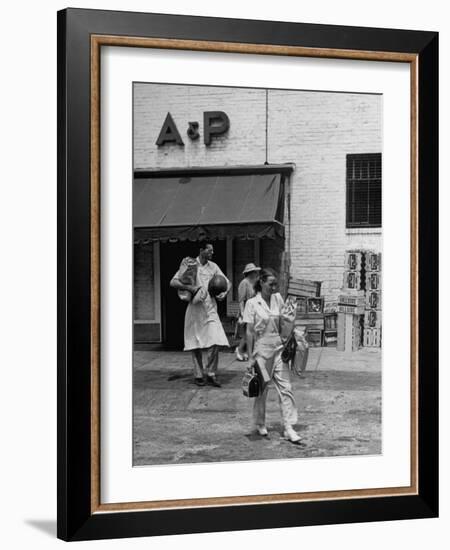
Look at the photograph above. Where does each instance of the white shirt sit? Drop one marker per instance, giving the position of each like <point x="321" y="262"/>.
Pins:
<point x="265" y="319"/>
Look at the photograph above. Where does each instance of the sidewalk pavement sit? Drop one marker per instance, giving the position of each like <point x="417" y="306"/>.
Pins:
<point x="338" y="401"/>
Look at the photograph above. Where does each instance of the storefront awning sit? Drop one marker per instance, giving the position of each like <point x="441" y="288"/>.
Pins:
<point x="213" y="206"/>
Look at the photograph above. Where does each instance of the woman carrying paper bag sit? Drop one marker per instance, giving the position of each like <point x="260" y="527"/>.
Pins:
<point x="266" y="315"/>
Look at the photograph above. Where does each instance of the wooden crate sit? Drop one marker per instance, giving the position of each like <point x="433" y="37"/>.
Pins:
<point x="330" y="307"/>
<point x="352" y="280"/>
<point x="330" y="321"/>
<point x="341" y="331"/>
<point x="314" y="338"/>
<point x="348" y="332"/>
<point x="373" y="280"/>
<point x="373" y="261"/>
<point x="311" y="316"/>
<point x="373" y="299"/>
<point x="330" y="338"/>
<point x="302" y="305"/>
<point x="351" y="309"/>
<point x="314" y="305"/>
<point x="309" y="305"/>
<point x="372" y="338"/>
<point x="303" y="287"/>
<point x="352" y="299"/>
<point x="353" y="260"/>
<point x="310" y="323"/>
<point x="372" y="318"/>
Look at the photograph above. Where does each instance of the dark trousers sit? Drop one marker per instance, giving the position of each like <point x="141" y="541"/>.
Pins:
<point x="212" y="361"/>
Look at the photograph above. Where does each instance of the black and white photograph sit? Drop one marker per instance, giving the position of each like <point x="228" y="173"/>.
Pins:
<point x="221" y="300"/>
<point x="257" y="273"/>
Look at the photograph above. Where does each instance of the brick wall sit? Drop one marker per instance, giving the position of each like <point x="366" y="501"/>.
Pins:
<point x="243" y="144"/>
<point x="271" y="254"/>
<point x="314" y="130"/>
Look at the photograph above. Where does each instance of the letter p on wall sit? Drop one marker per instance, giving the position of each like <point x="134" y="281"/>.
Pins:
<point x="215" y="123"/>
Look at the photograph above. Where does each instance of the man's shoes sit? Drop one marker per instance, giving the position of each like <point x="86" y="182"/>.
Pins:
<point x="199" y="382"/>
<point x="291" y="435"/>
<point x="262" y="431"/>
<point x="213" y="381"/>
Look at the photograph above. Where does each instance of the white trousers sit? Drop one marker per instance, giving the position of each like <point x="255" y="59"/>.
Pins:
<point x="282" y="383"/>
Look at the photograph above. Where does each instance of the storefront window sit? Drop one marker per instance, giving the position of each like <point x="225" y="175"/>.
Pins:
<point x="364" y="190"/>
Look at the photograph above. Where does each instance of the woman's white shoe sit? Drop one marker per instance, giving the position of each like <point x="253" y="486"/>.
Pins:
<point x="262" y="430"/>
<point x="291" y="435"/>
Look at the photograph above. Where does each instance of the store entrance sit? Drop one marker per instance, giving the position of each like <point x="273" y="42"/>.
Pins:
<point x="172" y="308"/>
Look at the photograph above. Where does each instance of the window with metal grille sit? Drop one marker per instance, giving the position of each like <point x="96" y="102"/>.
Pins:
<point x="364" y="190"/>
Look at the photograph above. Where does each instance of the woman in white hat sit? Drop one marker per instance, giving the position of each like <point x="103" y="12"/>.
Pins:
<point x="246" y="291"/>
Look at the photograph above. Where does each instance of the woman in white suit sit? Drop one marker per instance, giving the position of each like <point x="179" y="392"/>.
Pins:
<point x="262" y="315"/>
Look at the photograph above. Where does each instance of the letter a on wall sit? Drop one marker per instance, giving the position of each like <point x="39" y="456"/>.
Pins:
<point x="169" y="133"/>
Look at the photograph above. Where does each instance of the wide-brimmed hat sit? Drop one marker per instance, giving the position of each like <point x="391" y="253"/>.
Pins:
<point x="250" y="267"/>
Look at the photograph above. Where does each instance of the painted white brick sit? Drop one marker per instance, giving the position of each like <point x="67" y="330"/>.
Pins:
<point x="243" y="144"/>
<point x="314" y="130"/>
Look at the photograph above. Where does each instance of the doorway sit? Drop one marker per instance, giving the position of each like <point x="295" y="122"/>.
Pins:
<point x="172" y="308"/>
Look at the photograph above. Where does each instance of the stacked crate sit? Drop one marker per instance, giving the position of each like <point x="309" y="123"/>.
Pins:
<point x="372" y="313"/>
<point x="310" y="309"/>
<point x="349" y="332"/>
<point x="330" y="330"/>
<point x="351" y="303"/>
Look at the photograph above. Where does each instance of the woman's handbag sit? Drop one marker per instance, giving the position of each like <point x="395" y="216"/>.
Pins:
<point x="289" y="349"/>
<point x="251" y="385"/>
<point x="295" y="351"/>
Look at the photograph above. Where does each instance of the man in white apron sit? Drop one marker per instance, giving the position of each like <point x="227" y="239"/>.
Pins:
<point x="202" y="327"/>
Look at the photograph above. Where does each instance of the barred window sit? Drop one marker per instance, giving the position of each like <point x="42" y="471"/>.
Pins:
<point x="364" y="190"/>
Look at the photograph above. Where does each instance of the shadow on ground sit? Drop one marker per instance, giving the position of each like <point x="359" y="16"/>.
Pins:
<point x="338" y="400"/>
<point x="46" y="526"/>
